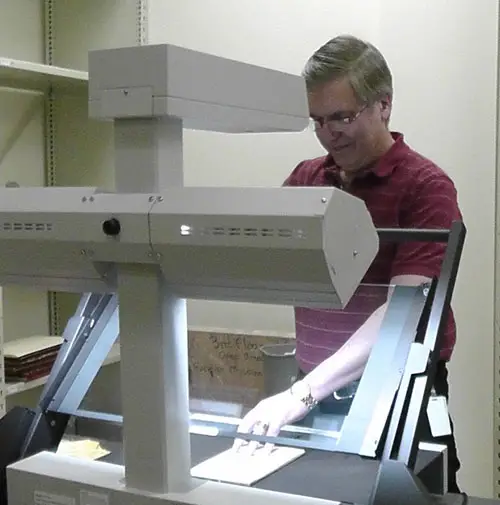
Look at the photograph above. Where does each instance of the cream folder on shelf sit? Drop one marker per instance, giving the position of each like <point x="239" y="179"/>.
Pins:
<point x="245" y="469"/>
<point x="25" y="346"/>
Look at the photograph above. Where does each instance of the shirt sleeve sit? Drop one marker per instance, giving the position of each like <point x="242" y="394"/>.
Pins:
<point x="431" y="205"/>
<point x="296" y="177"/>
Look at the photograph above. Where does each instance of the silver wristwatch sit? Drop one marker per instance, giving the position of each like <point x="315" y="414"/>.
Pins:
<point x="302" y="391"/>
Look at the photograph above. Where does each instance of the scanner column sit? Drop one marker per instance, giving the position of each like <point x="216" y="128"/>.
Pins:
<point x="153" y="323"/>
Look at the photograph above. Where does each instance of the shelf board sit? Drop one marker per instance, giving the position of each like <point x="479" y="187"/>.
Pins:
<point x="14" y="388"/>
<point x="18" y="387"/>
<point x="36" y="76"/>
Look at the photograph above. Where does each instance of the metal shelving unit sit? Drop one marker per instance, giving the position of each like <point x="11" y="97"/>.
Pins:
<point x="43" y="100"/>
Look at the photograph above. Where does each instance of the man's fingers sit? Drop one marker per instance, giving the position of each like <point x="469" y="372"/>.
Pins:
<point x="246" y="426"/>
<point x="248" y="423"/>
<point x="260" y="428"/>
<point x="238" y="444"/>
<point x="272" y="431"/>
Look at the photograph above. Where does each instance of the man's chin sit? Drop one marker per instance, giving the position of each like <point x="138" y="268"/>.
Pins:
<point x="344" y="161"/>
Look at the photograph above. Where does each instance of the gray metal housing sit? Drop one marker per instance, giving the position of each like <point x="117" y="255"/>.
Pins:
<point x="308" y="247"/>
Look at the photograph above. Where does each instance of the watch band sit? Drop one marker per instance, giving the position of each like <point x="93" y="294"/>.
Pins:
<point x="305" y="395"/>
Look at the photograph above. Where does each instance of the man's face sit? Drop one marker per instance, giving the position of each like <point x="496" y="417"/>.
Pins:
<point x="351" y="132"/>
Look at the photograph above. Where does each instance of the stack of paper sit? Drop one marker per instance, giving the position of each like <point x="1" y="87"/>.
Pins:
<point x="30" y="358"/>
<point x="243" y="468"/>
<point x="82" y="449"/>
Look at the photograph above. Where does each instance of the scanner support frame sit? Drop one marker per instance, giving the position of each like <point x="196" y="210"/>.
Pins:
<point x="397" y="448"/>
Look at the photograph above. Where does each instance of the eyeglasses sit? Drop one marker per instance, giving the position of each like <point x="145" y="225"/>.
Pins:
<point x="337" y="121"/>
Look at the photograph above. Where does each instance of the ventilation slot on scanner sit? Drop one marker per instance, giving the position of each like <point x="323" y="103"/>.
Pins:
<point x="220" y="231"/>
<point x="27" y="227"/>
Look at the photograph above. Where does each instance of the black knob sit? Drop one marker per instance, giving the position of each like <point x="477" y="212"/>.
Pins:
<point x="111" y="227"/>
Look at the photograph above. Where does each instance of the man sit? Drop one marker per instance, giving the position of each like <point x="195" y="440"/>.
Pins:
<point x="349" y="87"/>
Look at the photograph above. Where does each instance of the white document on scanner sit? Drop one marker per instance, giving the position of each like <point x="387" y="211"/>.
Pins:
<point x="245" y="469"/>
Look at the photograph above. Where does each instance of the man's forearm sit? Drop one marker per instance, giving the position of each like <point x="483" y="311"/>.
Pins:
<point x="348" y="363"/>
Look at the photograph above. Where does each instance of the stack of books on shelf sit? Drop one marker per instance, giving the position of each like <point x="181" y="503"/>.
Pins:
<point x="30" y="358"/>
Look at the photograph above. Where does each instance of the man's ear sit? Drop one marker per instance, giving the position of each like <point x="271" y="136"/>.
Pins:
<point x="386" y="108"/>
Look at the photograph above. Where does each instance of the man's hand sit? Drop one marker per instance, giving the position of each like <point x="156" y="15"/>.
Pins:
<point x="268" y="417"/>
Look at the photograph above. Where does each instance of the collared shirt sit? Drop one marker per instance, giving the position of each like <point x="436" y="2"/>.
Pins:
<point x="403" y="189"/>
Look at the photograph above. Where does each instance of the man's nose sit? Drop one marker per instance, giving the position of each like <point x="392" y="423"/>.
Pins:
<point x="333" y="133"/>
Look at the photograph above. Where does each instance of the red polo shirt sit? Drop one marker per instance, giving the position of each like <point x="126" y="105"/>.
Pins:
<point x="402" y="190"/>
